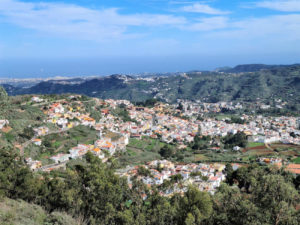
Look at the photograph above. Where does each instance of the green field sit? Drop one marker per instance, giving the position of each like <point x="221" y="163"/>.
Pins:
<point x="141" y="151"/>
<point x="254" y="144"/>
<point x="296" y="160"/>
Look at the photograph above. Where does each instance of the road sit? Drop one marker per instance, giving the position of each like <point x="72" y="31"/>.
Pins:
<point x="54" y="166"/>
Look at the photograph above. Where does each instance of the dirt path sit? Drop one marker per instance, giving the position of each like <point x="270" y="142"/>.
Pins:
<point x="268" y="146"/>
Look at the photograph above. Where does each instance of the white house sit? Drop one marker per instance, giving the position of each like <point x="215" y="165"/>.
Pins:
<point x="236" y="148"/>
<point x="59" y="158"/>
<point x="37" y="142"/>
<point x="36" y="99"/>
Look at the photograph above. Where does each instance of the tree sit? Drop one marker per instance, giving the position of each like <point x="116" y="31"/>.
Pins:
<point x="296" y="182"/>
<point x="277" y="198"/>
<point x="180" y="106"/>
<point x="195" y="204"/>
<point x="166" y="151"/>
<point x="143" y="171"/>
<point x="176" y="178"/>
<point x="264" y="196"/>
<point x="231" y="208"/>
<point x="28" y="133"/>
<point x="200" y="142"/>
<point x="238" y="139"/>
<point x="190" y="219"/>
<point x="229" y="173"/>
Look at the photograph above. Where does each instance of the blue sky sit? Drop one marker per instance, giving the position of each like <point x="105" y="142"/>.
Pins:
<point x="97" y="37"/>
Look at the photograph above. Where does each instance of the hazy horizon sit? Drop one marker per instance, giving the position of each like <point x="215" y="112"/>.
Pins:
<point x="75" y="68"/>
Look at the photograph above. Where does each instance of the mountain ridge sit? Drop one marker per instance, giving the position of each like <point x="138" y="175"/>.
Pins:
<point x="276" y="82"/>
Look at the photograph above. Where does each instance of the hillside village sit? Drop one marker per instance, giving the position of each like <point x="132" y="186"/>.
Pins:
<point x="206" y="177"/>
<point x="177" y="124"/>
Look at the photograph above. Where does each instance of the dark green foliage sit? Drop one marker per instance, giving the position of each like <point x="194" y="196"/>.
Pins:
<point x="194" y="207"/>
<point x="238" y="139"/>
<point x="9" y="137"/>
<point x="297" y="182"/>
<point x="166" y="151"/>
<point x="200" y="142"/>
<point x="84" y="98"/>
<point x="176" y="178"/>
<point x="28" y="133"/>
<point x="122" y="113"/>
<point x="142" y="171"/>
<point x="235" y="119"/>
<point x="148" y="103"/>
<point x="93" y="192"/>
<point x="264" y="196"/>
<point x="16" y="181"/>
<point x="180" y="106"/>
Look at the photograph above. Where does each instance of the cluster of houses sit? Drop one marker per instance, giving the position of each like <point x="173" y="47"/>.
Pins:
<point x="38" y="132"/>
<point x="190" y="108"/>
<point x="260" y="129"/>
<point x="33" y="164"/>
<point x="68" y="117"/>
<point x="160" y="121"/>
<point x="207" y="177"/>
<point x="102" y="148"/>
<point x="274" y="161"/>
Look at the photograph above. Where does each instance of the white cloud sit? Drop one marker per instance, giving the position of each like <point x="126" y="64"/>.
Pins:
<point x="277" y="28"/>
<point x="203" y="8"/>
<point x="75" y="21"/>
<point x="280" y="5"/>
<point x="208" y="24"/>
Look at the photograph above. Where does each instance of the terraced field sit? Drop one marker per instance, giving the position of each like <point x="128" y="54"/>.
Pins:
<point x="277" y="149"/>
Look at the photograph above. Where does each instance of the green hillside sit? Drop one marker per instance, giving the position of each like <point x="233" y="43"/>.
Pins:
<point x="276" y="82"/>
<point x="19" y="212"/>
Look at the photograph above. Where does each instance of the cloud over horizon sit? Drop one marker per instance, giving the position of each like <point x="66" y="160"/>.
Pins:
<point x="184" y="30"/>
<point x="71" y="20"/>
<point x="203" y="8"/>
<point x="280" y="5"/>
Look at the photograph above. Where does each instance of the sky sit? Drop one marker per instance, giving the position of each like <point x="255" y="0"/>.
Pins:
<point x="43" y="38"/>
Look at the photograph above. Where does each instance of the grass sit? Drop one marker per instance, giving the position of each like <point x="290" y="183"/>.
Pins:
<point x="254" y="144"/>
<point x="141" y="151"/>
<point x="200" y="157"/>
<point x="135" y="156"/>
<point x="223" y="116"/>
<point x="146" y="143"/>
<point x="296" y="160"/>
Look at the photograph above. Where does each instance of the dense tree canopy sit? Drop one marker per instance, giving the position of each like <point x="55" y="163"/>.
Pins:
<point x="252" y="195"/>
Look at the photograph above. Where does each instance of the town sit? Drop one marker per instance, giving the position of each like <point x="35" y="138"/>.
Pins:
<point x="119" y="122"/>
